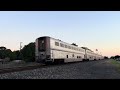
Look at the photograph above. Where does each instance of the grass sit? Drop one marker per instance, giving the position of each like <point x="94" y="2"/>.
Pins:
<point x="116" y="63"/>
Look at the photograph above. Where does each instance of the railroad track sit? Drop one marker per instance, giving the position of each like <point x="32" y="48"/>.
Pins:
<point x="29" y="67"/>
<point x="20" y="68"/>
<point x="23" y="68"/>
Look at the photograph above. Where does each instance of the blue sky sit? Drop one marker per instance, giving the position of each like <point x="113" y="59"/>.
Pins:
<point x="93" y="29"/>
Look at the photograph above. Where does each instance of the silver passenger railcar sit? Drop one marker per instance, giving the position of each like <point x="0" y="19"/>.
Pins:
<point x="48" y="49"/>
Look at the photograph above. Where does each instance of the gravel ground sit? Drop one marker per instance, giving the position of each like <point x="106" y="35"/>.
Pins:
<point x="10" y="64"/>
<point x="83" y="70"/>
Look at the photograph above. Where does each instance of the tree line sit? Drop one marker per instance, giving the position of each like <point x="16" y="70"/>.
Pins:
<point x="115" y="57"/>
<point x="27" y="53"/>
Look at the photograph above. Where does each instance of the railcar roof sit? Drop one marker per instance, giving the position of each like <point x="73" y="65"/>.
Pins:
<point x="68" y="43"/>
<point x="59" y="40"/>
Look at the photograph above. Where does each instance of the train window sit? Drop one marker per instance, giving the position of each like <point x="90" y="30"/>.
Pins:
<point x="69" y="47"/>
<point x="73" y="55"/>
<point x="65" y="46"/>
<point x="41" y="45"/>
<point x="42" y="41"/>
<point x="57" y="43"/>
<point x="81" y="50"/>
<point x="62" y="45"/>
<point x="72" y="47"/>
<point x="67" y="56"/>
<point x="75" y="49"/>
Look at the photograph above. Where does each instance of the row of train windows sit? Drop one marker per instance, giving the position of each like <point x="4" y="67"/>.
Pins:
<point x="89" y="52"/>
<point x="66" y="46"/>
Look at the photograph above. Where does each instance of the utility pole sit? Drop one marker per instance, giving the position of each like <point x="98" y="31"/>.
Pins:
<point x="20" y="50"/>
<point x="20" y="45"/>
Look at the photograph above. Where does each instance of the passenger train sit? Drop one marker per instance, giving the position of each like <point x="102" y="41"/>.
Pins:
<point x="48" y="49"/>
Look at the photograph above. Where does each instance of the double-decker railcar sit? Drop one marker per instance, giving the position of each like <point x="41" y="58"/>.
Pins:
<point x="89" y="54"/>
<point x="49" y="49"/>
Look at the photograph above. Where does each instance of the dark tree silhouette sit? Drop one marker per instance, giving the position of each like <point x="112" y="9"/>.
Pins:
<point x="117" y="56"/>
<point x="112" y="57"/>
<point x="28" y="52"/>
<point x="105" y="57"/>
<point x="5" y="52"/>
<point x="15" y="55"/>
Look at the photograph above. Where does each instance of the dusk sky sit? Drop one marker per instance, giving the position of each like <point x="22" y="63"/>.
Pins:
<point x="93" y="29"/>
